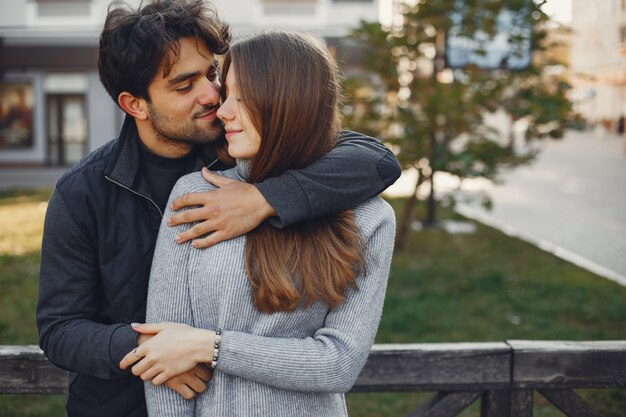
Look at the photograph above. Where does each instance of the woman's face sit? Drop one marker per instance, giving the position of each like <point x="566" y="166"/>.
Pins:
<point x="243" y="139"/>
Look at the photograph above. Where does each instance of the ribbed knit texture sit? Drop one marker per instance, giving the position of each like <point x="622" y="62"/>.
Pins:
<point x="280" y="364"/>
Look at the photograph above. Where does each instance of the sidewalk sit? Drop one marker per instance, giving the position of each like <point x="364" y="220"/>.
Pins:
<point x="29" y="178"/>
<point x="571" y="201"/>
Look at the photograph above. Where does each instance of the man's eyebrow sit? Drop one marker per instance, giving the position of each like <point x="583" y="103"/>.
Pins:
<point x="183" y="77"/>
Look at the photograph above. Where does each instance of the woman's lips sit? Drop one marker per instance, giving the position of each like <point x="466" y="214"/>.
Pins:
<point x="230" y="133"/>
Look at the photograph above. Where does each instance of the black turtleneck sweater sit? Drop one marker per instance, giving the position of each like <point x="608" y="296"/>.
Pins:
<point x="161" y="173"/>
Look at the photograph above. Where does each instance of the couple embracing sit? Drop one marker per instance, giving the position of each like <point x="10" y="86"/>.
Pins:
<point x="169" y="290"/>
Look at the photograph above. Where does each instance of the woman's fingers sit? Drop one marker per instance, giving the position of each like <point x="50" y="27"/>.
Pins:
<point x="149" y="328"/>
<point x="141" y="367"/>
<point x="152" y="373"/>
<point x="130" y="358"/>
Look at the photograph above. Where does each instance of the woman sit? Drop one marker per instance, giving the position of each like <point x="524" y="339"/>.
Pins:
<point x="285" y="316"/>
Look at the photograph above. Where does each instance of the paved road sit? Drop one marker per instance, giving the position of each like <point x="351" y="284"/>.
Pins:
<point x="571" y="201"/>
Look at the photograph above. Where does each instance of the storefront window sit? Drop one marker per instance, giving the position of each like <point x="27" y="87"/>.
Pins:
<point x="16" y="115"/>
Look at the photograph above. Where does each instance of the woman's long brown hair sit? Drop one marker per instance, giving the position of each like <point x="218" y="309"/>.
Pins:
<point x="289" y="84"/>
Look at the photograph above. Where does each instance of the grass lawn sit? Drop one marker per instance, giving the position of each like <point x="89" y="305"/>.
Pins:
<point x="443" y="288"/>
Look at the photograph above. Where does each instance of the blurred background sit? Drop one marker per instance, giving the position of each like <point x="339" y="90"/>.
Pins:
<point x="506" y="115"/>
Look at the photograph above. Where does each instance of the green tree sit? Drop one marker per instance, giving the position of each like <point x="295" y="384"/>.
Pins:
<point x="435" y="117"/>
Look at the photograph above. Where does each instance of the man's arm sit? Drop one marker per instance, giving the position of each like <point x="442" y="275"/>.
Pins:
<point x="68" y="301"/>
<point x="356" y="169"/>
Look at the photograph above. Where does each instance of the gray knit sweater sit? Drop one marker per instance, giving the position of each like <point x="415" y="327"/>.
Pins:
<point x="280" y="364"/>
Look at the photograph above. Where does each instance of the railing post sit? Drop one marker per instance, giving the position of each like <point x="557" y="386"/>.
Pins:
<point x="496" y="403"/>
<point x="522" y="403"/>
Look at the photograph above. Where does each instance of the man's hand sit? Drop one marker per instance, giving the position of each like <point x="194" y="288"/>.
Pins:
<point x="191" y="383"/>
<point x="232" y="210"/>
<point x="174" y="349"/>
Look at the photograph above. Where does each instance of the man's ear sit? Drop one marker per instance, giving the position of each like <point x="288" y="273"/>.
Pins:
<point x="132" y="105"/>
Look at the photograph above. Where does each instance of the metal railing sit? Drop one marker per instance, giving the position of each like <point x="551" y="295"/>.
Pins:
<point x="502" y="375"/>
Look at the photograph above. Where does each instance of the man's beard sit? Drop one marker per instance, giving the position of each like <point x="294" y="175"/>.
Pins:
<point x="185" y="132"/>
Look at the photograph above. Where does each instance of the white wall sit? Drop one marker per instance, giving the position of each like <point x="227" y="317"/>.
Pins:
<point x="104" y="116"/>
<point x="322" y="17"/>
<point x="12" y="13"/>
<point x="597" y="63"/>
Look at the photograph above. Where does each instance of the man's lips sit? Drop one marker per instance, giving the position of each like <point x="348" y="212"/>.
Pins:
<point x="211" y="114"/>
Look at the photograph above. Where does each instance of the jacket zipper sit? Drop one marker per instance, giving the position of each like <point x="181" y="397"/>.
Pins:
<point x="146" y="197"/>
<point x="135" y="192"/>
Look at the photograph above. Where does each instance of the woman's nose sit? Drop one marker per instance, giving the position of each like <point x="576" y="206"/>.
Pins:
<point x="224" y="113"/>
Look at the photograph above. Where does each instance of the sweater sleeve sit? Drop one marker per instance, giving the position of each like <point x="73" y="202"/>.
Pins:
<point x="356" y="169"/>
<point x="69" y="280"/>
<point x="169" y="301"/>
<point x="332" y="358"/>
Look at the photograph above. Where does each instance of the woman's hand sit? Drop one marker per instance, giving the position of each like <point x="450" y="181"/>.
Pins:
<point x="174" y="349"/>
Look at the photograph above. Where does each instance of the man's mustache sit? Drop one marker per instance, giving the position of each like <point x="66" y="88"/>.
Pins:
<point x="206" y="110"/>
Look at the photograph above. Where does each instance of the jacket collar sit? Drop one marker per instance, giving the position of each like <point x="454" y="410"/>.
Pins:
<point x="124" y="166"/>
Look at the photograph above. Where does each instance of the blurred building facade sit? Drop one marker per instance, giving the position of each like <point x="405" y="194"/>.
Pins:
<point x="53" y="108"/>
<point x="48" y="70"/>
<point x="598" y="60"/>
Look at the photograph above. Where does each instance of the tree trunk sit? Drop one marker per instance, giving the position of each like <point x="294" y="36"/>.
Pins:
<point x="511" y="136"/>
<point x="407" y="215"/>
<point x="431" y="214"/>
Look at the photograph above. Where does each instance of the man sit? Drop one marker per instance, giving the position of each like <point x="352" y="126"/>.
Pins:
<point x="158" y="63"/>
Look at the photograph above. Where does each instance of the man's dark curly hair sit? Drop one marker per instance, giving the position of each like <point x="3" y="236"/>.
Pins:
<point x="134" y="43"/>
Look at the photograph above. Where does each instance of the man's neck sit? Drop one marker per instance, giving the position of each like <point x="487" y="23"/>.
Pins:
<point x="161" y="146"/>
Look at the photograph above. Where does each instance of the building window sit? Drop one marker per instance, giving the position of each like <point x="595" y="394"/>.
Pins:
<point x="16" y="115"/>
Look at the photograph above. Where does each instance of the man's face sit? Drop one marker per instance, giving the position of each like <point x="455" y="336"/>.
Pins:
<point x="184" y="103"/>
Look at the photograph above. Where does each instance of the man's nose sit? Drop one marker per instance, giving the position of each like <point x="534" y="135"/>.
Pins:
<point x="210" y="94"/>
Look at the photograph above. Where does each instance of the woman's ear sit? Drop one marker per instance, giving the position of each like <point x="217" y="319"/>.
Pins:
<point x="132" y="105"/>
